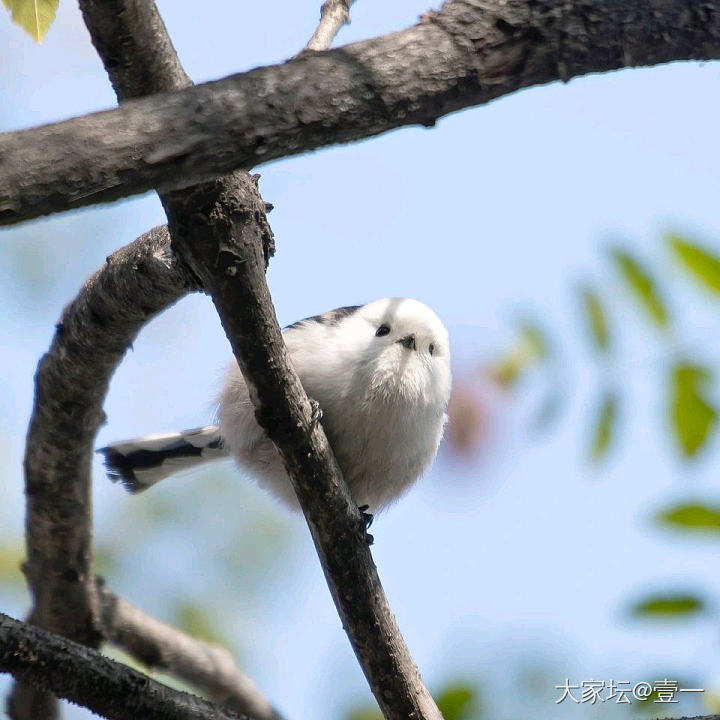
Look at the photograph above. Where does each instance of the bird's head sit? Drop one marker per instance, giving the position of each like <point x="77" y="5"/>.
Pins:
<point x="404" y="351"/>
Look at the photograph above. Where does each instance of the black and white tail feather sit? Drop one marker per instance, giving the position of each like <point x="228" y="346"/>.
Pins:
<point x="142" y="462"/>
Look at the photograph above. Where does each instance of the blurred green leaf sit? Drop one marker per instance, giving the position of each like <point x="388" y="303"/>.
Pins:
<point x="702" y="264"/>
<point x="691" y="516"/>
<point x="596" y="319"/>
<point x="197" y="621"/>
<point x="692" y="417"/>
<point x="643" y="286"/>
<point x="648" y="704"/>
<point x="33" y="16"/>
<point x="604" y="429"/>
<point x="458" y="701"/>
<point x="536" y="341"/>
<point x="531" y="347"/>
<point x="671" y="606"/>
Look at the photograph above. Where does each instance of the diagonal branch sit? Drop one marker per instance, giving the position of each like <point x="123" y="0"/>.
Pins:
<point x="333" y="15"/>
<point x="207" y="667"/>
<point x="84" y="676"/>
<point x="468" y="53"/>
<point x="234" y="275"/>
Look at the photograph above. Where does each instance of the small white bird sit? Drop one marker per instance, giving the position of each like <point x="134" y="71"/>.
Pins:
<point x="381" y="375"/>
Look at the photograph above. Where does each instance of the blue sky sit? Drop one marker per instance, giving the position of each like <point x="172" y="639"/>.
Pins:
<point x="525" y="554"/>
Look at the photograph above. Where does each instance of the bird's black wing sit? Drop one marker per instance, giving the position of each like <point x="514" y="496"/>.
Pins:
<point x="331" y="317"/>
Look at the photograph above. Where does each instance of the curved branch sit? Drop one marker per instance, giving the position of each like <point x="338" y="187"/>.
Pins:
<point x="468" y="53"/>
<point x="84" y="676"/>
<point x="71" y="382"/>
<point x="210" y="668"/>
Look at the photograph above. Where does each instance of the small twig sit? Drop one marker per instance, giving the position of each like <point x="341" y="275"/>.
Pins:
<point x="333" y="15"/>
<point x="84" y="676"/>
<point x="207" y="667"/>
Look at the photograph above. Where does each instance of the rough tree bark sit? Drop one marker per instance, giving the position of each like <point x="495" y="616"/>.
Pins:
<point x="468" y="53"/>
<point x="86" y="677"/>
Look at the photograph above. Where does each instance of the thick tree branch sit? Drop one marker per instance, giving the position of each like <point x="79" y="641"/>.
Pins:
<point x="71" y="381"/>
<point x="468" y="53"/>
<point x="84" y="676"/>
<point x="207" y="667"/>
<point x="333" y="15"/>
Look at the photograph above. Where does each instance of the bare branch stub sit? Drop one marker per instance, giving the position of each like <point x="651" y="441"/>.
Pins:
<point x="84" y="676"/>
<point x="467" y="53"/>
<point x="333" y="15"/>
<point x="207" y="667"/>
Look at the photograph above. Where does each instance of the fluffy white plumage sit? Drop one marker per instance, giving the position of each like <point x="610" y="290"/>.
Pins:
<point x="381" y="375"/>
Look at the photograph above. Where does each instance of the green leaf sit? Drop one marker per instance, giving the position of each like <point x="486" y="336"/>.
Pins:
<point x="33" y="16"/>
<point x="700" y="262"/>
<point x="675" y="606"/>
<point x="596" y="319"/>
<point x="691" y="516"/>
<point x="535" y="339"/>
<point x="531" y="347"/>
<point x="604" y="429"/>
<point x="458" y="701"/>
<point x="692" y="417"/>
<point x="644" y="288"/>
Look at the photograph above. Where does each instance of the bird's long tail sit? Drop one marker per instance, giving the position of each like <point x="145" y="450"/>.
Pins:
<point x="142" y="462"/>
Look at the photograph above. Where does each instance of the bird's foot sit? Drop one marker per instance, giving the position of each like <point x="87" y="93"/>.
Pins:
<point x="368" y="520"/>
<point x="366" y="516"/>
<point x="316" y="414"/>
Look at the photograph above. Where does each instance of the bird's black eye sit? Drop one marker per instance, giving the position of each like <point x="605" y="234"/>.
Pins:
<point x="431" y="348"/>
<point x="382" y="330"/>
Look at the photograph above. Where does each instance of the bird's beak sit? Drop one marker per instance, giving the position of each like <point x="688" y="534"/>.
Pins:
<point x="409" y="342"/>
